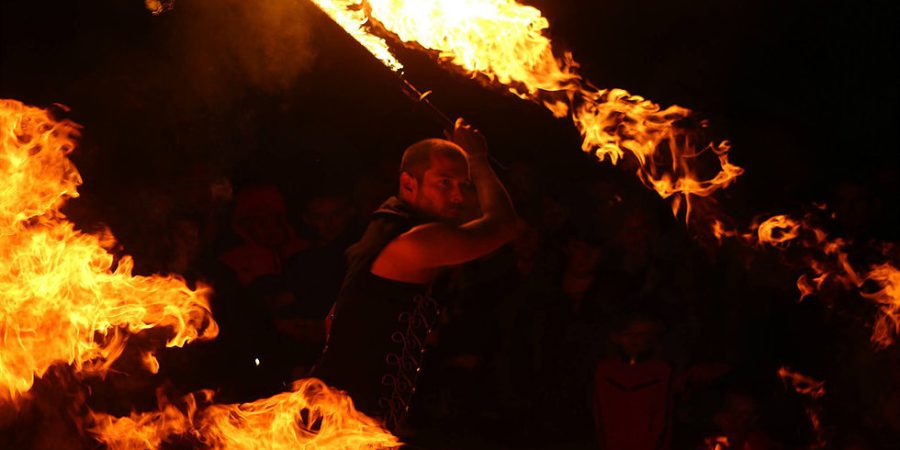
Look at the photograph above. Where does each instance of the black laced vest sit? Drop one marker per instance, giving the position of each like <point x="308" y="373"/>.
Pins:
<point x="377" y="338"/>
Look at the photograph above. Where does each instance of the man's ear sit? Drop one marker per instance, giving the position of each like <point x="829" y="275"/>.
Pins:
<point x="408" y="184"/>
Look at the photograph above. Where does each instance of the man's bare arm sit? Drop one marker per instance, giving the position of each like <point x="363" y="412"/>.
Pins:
<point x="439" y="244"/>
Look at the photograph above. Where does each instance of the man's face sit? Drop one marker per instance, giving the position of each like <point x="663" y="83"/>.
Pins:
<point x="444" y="189"/>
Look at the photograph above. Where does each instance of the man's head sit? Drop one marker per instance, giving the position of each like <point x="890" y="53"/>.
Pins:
<point x="434" y="179"/>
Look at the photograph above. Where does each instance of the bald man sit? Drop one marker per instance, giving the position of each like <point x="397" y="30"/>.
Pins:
<point x="385" y="310"/>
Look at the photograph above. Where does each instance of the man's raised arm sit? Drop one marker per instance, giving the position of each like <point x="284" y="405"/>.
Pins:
<point x="443" y="244"/>
<point x="497" y="208"/>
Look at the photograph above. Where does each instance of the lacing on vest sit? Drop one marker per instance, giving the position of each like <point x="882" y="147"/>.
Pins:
<point x="407" y="363"/>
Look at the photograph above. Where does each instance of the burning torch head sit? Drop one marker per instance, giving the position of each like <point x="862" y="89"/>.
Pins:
<point x="434" y="180"/>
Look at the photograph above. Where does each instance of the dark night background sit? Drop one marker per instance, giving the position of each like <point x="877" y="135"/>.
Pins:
<point x="807" y="91"/>
<point x="272" y="92"/>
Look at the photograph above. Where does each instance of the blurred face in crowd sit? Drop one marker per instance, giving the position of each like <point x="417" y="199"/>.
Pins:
<point x="553" y="214"/>
<point x="260" y="216"/>
<point x="329" y="216"/>
<point x="522" y="182"/>
<point x="527" y="244"/>
<point x="186" y="236"/>
<point x="638" y="338"/>
<point x="582" y="257"/>
<point x="443" y="192"/>
<point x="267" y="228"/>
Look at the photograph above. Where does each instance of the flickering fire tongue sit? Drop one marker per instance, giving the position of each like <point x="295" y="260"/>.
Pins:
<point x="311" y="415"/>
<point x="814" y="390"/>
<point x="826" y="260"/>
<point x="351" y="16"/>
<point x="802" y="384"/>
<point x="63" y="297"/>
<point x="716" y="443"/>
<point x="502" y="42"/>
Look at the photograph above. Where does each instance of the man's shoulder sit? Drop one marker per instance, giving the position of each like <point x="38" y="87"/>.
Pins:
<point x="394" y="208"/>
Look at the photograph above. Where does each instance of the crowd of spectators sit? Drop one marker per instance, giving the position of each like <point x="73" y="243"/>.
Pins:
<point x="603" y="325"/>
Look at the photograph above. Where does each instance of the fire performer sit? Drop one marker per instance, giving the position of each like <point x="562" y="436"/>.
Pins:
<point x="385" y="308"/>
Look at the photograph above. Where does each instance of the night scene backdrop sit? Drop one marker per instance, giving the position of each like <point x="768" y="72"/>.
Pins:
<point x="184" y="111"/>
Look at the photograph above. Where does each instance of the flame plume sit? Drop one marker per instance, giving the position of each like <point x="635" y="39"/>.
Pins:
<point x="826" y="260"/>
<point x="504" y="43"/>
<point x="349" y="14"/>
<point x="777" y="230"/>
<point x="63" y="301"/>
<point x="311" y="416"/>
<point x="802" y="384"/>
<point x="62" y="297"/>
<point x="887" y="326"/>
<point x="146" y="431"/>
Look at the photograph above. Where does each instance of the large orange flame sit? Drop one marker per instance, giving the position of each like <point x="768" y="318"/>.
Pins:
<point x="311" y="416"/>
<point x="503" y="42"/>
<point x="63" y="298"/>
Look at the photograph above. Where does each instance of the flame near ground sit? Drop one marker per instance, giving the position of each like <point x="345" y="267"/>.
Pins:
<point x="65" y="299"/>
<point x="311" y="416"/>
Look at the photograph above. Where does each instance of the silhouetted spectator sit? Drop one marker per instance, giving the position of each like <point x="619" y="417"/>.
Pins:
<point x="632" y="389"/>
<point x="569" y="326"/>
<point x="315" y="275"/>
<point x="260" y="219"/>
<point x="738" y="421"/>
<point x="260" y="349"/>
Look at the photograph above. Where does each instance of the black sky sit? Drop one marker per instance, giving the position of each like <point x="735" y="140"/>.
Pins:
<point x="807" y="91"/>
